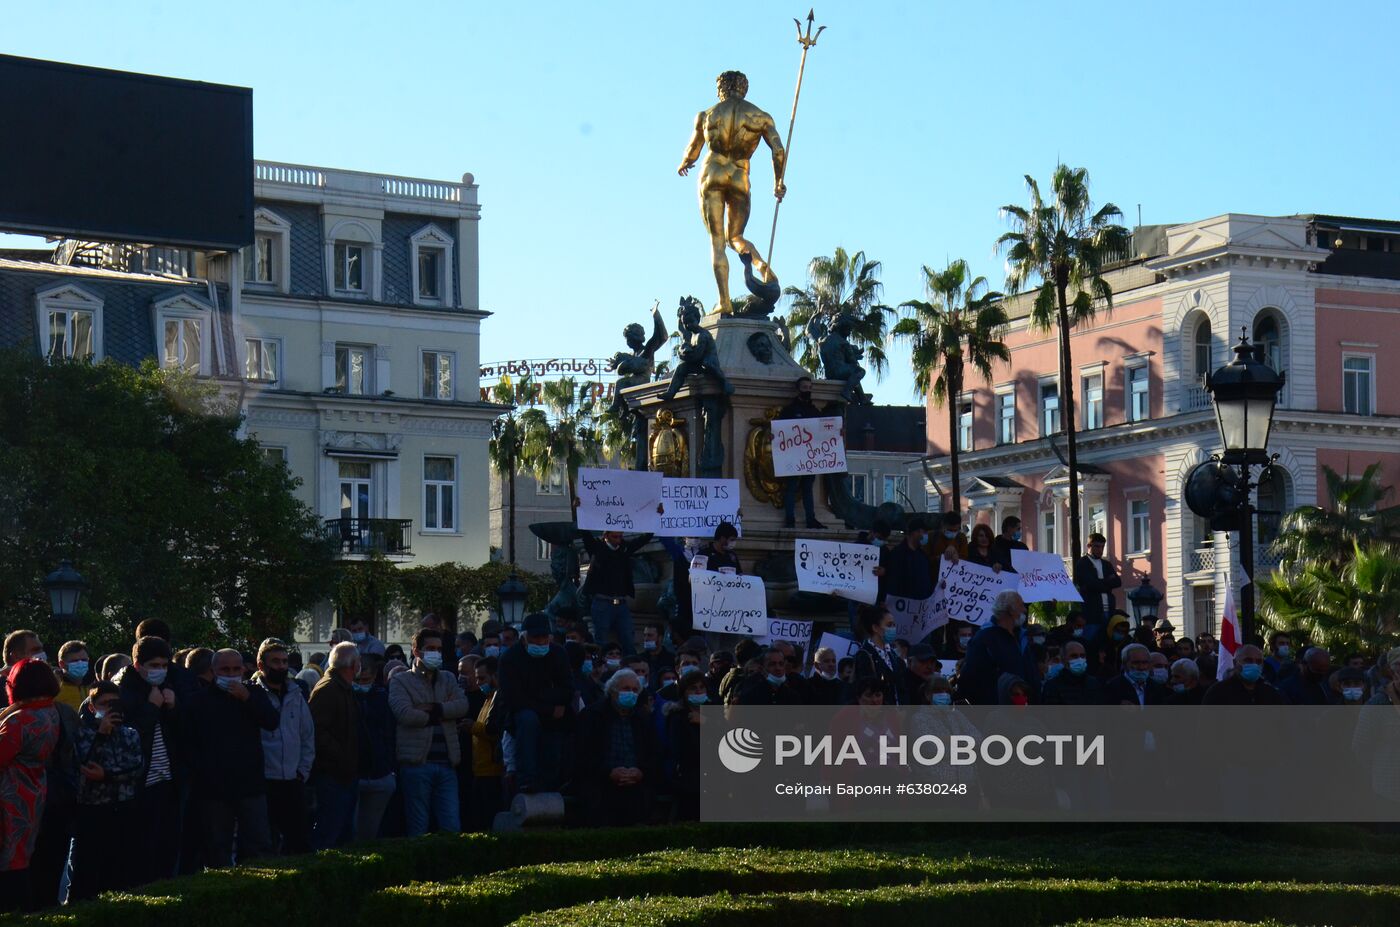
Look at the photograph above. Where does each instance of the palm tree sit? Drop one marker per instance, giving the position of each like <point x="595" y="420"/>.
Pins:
<point x="1060" y="248"/>
<point x="842" y="283"/>
<point x="1356" y="608"/>
<point x="960" y="324"/>
<point x="507" y="443"/>
<point x="562" y="433"/>
<point x="1315" y="533"/>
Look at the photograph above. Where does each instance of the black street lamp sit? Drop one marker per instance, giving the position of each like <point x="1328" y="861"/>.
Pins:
<point x="1144" y="600"/>
<point x="1244" y="392"/>
<point x="65" y="586"/>
<point x="511" y="596"/>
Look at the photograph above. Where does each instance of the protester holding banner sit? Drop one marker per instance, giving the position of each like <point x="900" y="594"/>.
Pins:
<point x="608" y="586"/>
<point x="801" y="407"/>
<point x="996" y="649"/>
<point x="719" y="553"/>
<point x="1007" y="541"/>
<point x="1096" y="577"/>
<point x="981" y="549"/>
<point x="950" y="541"/>
<point x="877" y="659"/>
<point x="905" y="569"/>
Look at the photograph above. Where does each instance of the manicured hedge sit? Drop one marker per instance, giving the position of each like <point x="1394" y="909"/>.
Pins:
<point x="991" y="904"/>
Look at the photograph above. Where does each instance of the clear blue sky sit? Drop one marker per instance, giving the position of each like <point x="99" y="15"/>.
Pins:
<point x="917" y="122"/>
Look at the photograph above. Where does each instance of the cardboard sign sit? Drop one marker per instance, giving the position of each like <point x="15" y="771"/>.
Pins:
<point x="838" y="568"/>
<point x="807" y="446"/>
<point x="841" y="646"/>
<point x="947" y="668"/>
<point x="618" y="500"/>
<point x="1043" y="577"/>
<point x="966" y="591"/>
<point x="793" y="630"/>
<point x="695" y="508"/>
<point x="916" y="619"/>
<point x="729" y="604"/>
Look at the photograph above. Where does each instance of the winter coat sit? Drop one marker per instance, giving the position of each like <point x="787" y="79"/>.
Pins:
<point x="119" y="755"/>
<point x="289" y="751"/>
<point x="414" y="735"/>
<point x="28" y="734"/>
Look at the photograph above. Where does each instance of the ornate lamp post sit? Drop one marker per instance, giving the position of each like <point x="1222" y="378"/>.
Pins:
<point x="65" y="586"/>
<point x="1144" y="600"/>
<point x="510" y="596"/>
<point x="1244" y="392"/>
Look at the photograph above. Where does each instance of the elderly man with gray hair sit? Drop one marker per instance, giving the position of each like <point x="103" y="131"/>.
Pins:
<point x="997" y="649"/>
<point x="335" y="776"/>
<point x="1135" y="685"/>
<point x="1186" y="683"/>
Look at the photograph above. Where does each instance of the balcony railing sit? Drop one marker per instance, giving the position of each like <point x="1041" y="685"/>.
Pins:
<point x="1202" y="559"/>
<point x="389" y="536"/>
<point x="305" y="175"/>
<point x="1265" y="559"/>
<point x="1195" y="398"/>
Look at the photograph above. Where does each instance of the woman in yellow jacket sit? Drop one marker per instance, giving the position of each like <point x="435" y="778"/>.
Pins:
<point x="487" y="770"/>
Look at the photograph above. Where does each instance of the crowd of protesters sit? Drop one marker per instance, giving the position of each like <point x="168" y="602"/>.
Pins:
<point x="120" y="769"/>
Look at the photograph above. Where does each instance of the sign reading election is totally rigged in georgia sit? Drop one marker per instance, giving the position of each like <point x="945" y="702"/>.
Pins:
<point x="728" y="603"/>
<point x="696" y="507"/>
<point x="618" y="500"/>
<point x="838" y="568"/>
<point x="807" y="446"/>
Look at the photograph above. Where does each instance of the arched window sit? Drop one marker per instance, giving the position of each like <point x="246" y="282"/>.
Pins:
<point x="1274" y="503"/>
<point x="1266" y="332"/>
<point x="1204" y="361"/>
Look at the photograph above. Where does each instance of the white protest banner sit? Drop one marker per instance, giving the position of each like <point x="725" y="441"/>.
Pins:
<point x="806" y="446"/>
<point x="916" y="619"/>
<point x="729" y="604"/>
<point x="695" y="508"/>
<point x="618" y="500"/>
<point x="842" y="646"/>
<point x="1043" y="577"/>
<point x="947" y="667"/>
<point x="793" y="630"/>
<point x="966" y="591"/>
<point x="838" y="567"/>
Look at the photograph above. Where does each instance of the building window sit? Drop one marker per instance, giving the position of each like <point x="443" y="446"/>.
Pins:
<point x="1138" y="399"/>
<point x="1203" y="351"/>
<point x="265" y="260"/>
<point x="182" y="344"/>
<point x="349" y="267"/>
<point x="1048" y="534"/>
<point x="1098" y="519"/>
<point x="1358" y="384"/>
<point x="257" y="260"/>
<point x="429" y="273"/>
<point x="70" y="334"/>
<point x="352" y="370"/>
<point x="276" y="455"/>
<point x="896" y="489"/>
<point x="965" y="426"/>
<point x="1006" y="417"/>
<point x="1139" y="527"/>
<point x="437" y="375"/>
<point x="554" y="484"/>
<point x="1266" y="333"/>
<point x="1093" y="402"/>
<point x="858" y="487"/>
<point x="356" y="489"/>
<point x="439" y="494"/>
<point x="69" y="321"/>
<point x="431" y="256"/>
<point x="1049" y="409"/>
<point x="263" y="360"/>
<point x="1203" y="609"/>
<point x="543" y="550"/>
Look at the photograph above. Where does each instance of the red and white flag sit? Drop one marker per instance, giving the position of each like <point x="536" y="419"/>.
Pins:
<point x="1229" y="635"/>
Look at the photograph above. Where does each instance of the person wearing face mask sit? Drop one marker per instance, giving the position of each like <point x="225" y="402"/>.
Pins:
<point x="1186" y="683"/>
<point x="427" y="703"/>
<point x="824" y="686"/>
<point x="1349" y="687"/>
<point x="921" y="663"/>
<point x="364" y="641"/>
<point x="377" y="755"/>
<point x="995" y="650"/>
<point x="877" y="658"/>
<point x="1161" y="668"/>
<point x="1074" y="684"/>
<point x="801" y="407"/>
<point x="288" y="750"/>
<point x="608" y="587"/>
<point x="1135" y="685"/>
<point x="1110" y="660"/>
<point x="1096" y="578"/>
<point x="111" y="772"/>
<point x="150" y="706"/>
<point x="339" y="757"/>
<point x="772" y="686"/>
<point x="683" y="721"/>
<point x="1309" y="685"/>
<point x="655" y="650"/>
<point x="534" y="702"/>
<point x="74" y="674"/>
<point x="1007" y="541"/>
<point x="616" y="764"/>
<point x="1282" y="662"/>
<point x="1387" y="690"/>
<point x="719" y="553"/>
<point x="488" y="770"/>
<point x="225" y="724"/>
<point x="1246" y="685"/>
<point x="950" y="542"/>
<point x="905" y="569"/>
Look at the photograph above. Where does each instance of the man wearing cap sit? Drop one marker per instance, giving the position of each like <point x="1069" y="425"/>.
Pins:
<point x="919" y="667"/>
<point x="1162" y="633"/>
<point x="534" y="700"/>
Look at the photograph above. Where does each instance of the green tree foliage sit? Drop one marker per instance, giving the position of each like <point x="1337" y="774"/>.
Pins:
<point x="840" y="284"/>
<point x="374" y="587"/>
<point x="1352" y="516"/>
<point x="1059" y="248"/>
<point x="562" y="432"/>
<point x="961" y="324"/>
<point x="139" y="477"/>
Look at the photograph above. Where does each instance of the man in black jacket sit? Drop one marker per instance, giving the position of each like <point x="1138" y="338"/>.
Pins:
<point x="609" y="587"/>
<point x="1186" y="683"/>
<point x="1096" y="577"/>
<point x="1075" y="685"/>
<point x="801" y="407"/>
<point x="1006" y="542"/>
<point x="1135" y="686"/>
<point x="996" y="649"/>
<point x="150" y="706"/>
<point x="774" y="686"/>
<point x="1246" y="685"/>
<point x="617" y="763"/>
<point x="533" y="702"/>
<point x="225" y="723"/>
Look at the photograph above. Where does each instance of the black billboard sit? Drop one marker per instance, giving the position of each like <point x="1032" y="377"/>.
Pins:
<point x="116" y="156"/>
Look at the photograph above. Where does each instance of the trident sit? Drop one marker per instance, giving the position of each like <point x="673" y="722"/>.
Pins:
<point x="806" y="41"/>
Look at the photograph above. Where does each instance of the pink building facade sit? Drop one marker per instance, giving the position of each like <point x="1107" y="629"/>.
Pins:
<point x="1321" y="293"/>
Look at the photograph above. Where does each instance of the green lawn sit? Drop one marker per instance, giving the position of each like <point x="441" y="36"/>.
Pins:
<point x="778" y="875"/>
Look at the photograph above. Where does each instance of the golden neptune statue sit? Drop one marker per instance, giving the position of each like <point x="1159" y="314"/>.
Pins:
<point x="733" y="128"/>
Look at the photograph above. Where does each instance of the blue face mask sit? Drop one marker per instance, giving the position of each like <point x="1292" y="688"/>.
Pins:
<point x="890" y="635"/>
<point x="226" y="682"/>
<point x="627" y="699"/>
<point x="1053" y="670"/>
<point x="1137" y="677"/>
<point x="697" y="700"/>
<point x="1250" y="672"/>
<point x="950" y="534"/>
<point x="1079" y="665"/>
<point x="537" y="650"/>
<point x="1178" y="687"/>
<point x="361" y="687"/>
<point x="587" y="667"/>
<point x="942" y="698"/>
<point x="1160" y="675"/>
<point x="156" y="677"/>
<point x="77" y="670"/>
<point x="485" y="688"/>
<point x="923" y="539"/>
<point x="1015" y="535"/>
<point x="776" y="680"/>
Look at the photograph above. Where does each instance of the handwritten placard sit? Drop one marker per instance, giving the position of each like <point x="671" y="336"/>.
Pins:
<point x="618" y="500"/>
<point x="807" y="446"/>
<point x="966" y="591"/>
<point x="843" y="647"/>
<point x="793" y="630"/>
<point x="837" y="568"/>
<point x="1043" y="577"/>
<point x="916" y="619"/>
<point x="695" y="508"/>
<point x="729" y="604"/>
